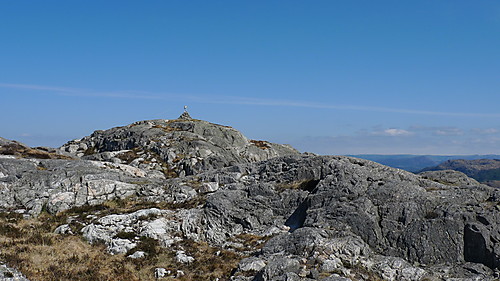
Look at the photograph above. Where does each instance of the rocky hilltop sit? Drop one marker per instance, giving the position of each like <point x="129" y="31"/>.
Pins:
<point x="189" y="200"/>
<point x="179" y="147"/>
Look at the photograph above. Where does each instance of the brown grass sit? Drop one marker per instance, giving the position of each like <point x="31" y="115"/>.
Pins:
<point x="22" y="151"/>
<point x="128" y="205"/>
<point x="31" y="246"/>
<point x="128" y="156"/>
<point x="89" y="151"/>
<point x="261" y="144"/>
<point x="167" y="128"/>
<point x="210" y="262"/>
<point x="358" y="272"/>
<point x="249" y="241"/>
<point x="434" y="188"/>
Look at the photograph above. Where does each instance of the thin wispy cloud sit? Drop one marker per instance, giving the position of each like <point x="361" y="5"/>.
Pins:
<point x="76" y="92"/>
<point x="449" y="132"/>
<point x="489" y="131"/>
<point x="218" y="99"/>
<point x="37" y="87"/>
<point x="393" y="132"/>
<point x="265" y="102"/>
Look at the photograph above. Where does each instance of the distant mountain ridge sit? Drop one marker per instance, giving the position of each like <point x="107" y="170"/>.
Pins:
<point x="486" y="171"/>
<point x="416" y="163"/>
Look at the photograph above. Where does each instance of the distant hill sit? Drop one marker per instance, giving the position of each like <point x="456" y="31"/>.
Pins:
<point x="483" y="170"/>
<point x="416" y="163"/>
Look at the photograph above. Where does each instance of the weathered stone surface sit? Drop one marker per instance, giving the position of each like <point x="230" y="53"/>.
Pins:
<point x="397" y="218"/>
<point x="161" y="272"/>
<point x="63" y="229"/>
<point x="280" y="266"/>
<point x="450" y="177"/>
<point x="251" y="264"/>
<point x="153" y="223"/>
<point x="175" y="147"/>
<point x="137" y="255"/>
<point x="181" y="257"/>
<point x="62" y="184"/>
<point x="307" y="217"/>
<point x="336" y="277"/>
<point x="10" y="274"/>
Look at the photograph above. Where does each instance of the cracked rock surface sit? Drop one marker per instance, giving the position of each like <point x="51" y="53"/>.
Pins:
<point x="175" y="147"/>
<point x="289" y="216"/>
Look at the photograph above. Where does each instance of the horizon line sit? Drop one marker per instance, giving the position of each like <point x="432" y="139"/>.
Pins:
<point x="218" y="99"/>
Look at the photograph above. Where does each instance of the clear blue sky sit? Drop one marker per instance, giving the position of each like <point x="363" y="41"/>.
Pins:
<point x="331" y="77"/>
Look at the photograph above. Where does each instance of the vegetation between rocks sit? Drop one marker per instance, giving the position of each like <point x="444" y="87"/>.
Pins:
<point x="31" y="246"/>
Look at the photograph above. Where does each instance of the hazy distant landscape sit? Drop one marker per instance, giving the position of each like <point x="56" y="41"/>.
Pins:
<point x="416" y="163"/>
<point x="483" y="168"/>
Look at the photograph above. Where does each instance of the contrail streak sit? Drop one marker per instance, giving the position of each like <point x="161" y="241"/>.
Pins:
<point x="215" y="99"/>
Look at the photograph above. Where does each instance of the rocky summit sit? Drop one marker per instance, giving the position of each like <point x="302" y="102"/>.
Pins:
<point x="186" y="199"/>
<point x="177" y="147"/>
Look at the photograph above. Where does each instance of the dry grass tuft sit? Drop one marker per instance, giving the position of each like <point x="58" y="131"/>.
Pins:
<point x="250" y="242"/>
<point x="31" y="246"/>
<point x="21" y="151"/>
<point x="307" y="185"/>
<point x="434" y="188"/>
<point x="129" y="156"/>
<point x="167" y="128"/>
<point x="359" y="272"/>
<point x="261" y="144"/>
<point x="89" y="151"/>
<point x="210" y="263"/>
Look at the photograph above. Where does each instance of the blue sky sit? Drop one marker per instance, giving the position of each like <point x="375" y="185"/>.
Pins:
<point x="331" y="77"/>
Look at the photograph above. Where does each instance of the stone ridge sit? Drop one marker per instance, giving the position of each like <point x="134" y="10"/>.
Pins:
<point x="17" y="149"/>
<point x="57" y="185"/>
<point x="282" y="214"/>
<point x="174" y="147"/>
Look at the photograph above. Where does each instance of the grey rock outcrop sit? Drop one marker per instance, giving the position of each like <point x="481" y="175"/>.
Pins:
<point x="10" y="274"/>
<point x="175" y="147"/>
<point x="58" y="185"/>
<point x="396" y="218"/>
<point x="450" y="177"/>
<point x="340" y="215"/>
<point x="289" y="216"/>
<point x="152" y="223"/>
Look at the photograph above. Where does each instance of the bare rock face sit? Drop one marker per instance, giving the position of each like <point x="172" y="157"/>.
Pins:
<point x="356" y="213"/>
<point x="450" y="177"/>
<point x="289" y="216"/>
<point x="142" y="223"/>
<point x="10" y="274"/>
<point x="174" y="147"/>
<point x="32" y="184"/>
